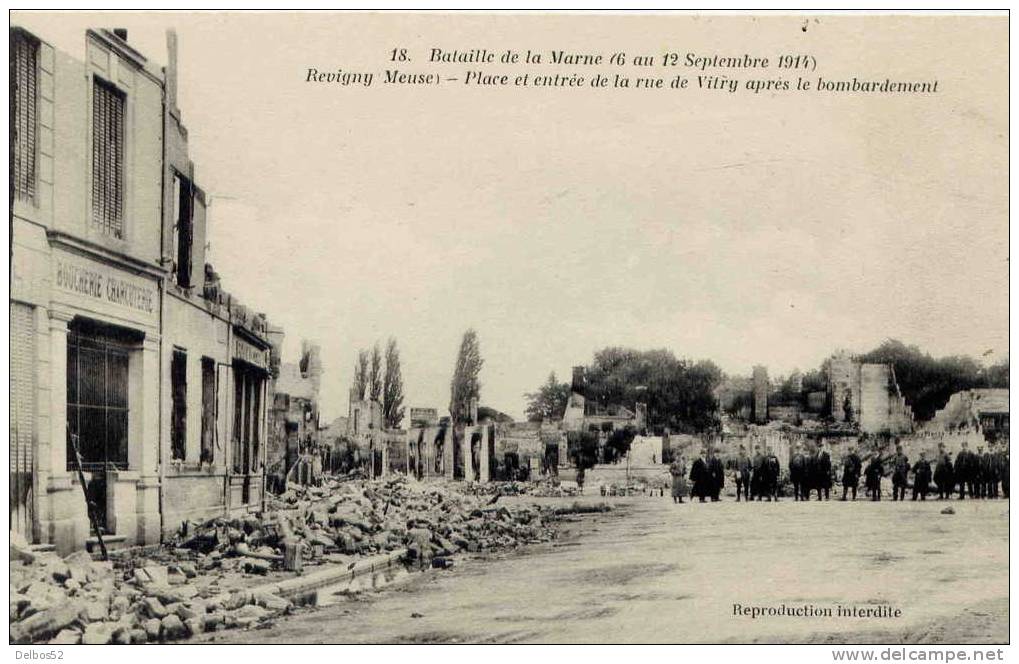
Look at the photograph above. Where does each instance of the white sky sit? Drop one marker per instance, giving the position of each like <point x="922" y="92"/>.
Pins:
<point x="768" y="229"/>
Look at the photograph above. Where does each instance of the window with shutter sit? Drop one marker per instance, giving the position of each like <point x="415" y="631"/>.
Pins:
<point x="24" y="100"/>
<point x="178" y="410"/>
<point x="108" y="159"/>
<point x="183" y="230"/>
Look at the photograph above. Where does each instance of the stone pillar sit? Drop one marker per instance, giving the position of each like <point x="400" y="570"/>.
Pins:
<point x="64" y="514"/>
<point x="483" y="456"/>
<point x="145" y="449"/>
<point x="447" y="452"/>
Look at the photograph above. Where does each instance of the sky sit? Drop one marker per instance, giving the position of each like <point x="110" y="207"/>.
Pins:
<point x="746" y="229"/>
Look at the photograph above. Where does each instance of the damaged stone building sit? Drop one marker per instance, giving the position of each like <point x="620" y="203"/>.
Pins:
<point x="867" y="396"/>
<point x="124" y="346"/>
<point x="294" y="417"/>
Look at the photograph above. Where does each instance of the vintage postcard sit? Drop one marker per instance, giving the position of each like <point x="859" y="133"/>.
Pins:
<point x="393" y="327"/>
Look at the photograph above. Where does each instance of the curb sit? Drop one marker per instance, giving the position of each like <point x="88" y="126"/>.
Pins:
<point x="331" y="575"/>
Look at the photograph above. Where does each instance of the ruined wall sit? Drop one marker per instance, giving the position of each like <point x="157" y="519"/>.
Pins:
<point x="843" y="388"/>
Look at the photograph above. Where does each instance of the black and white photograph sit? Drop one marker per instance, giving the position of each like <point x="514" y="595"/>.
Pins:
<point x="548" y="327"/>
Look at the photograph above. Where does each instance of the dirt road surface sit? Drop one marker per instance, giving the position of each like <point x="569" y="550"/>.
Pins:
<point x="655" y="572"/>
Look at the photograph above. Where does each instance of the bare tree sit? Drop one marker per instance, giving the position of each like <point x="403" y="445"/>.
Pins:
<point x="392" y="388"/>
<point x="375" y="374"/>
<point x="361" y="374"/>
<point x="465" y="385"/>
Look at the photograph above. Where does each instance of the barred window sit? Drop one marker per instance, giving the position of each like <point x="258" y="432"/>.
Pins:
<point x="108" y="159"/>
<point x="24" y="100"/>
<point x="97" y="400"/>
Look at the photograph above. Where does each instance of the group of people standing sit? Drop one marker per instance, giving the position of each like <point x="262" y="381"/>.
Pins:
<point x="978" y="474"/>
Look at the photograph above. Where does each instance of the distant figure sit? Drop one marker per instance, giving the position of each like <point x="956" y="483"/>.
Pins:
<point x="744" y="469"/>
<point x="977" y="470"/>
<point x="822" y="471"/>
<point x="986" y="473"/>
<point x="921" y="477"/>
<point x="965" y="471"/>
<point x="997" y="468"/>
<point x="773" y="471"/>
<point x="851" y="468"/>
<point x="900" y="474"/>
<point x="700" y="476"/>
<point x="758" y="472"/>
<point x="580" y="481"/>
<point x="679" y="485"/>
<point x="873" y="473"/>
<point x="797" y="473"/>
<point x="944" y="473"/>
<point x="717" y="473"/>
<point x="1004" y="469"/>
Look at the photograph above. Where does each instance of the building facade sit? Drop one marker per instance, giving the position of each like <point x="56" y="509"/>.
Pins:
<point x="119" y="358"/>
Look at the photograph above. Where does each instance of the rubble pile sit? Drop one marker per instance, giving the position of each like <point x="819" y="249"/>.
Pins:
<point x="184" y="588"/>
<point x="78" y="600"/>
<point x="548" y="488"/>
<point x="362" y="518"/>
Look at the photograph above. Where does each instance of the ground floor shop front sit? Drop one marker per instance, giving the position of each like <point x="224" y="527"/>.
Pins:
<point x="147" y="419"/>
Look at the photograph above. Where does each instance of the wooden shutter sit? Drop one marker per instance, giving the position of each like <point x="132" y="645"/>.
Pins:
<point x="24" y="100"/>
<point x="107" y="159"/>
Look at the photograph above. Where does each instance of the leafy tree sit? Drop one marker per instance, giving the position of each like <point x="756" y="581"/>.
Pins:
<point x="582" y="447"/>
<point x="361" y="374"/>
<point x="618" y="443"/>
<point x="996" y="375"/>
<point x="392" y="387"/>
<point x="679" y="393"/>
<point x="465" y="385"/>
<point x="549" y="402"/>
<point x="375" y="374"/>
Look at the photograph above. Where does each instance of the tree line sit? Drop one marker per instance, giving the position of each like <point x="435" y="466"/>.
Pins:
<point x="381" y="382"/>
<point x="681" y="393"/>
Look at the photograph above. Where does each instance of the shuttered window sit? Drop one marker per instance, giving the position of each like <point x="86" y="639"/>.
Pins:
<point x="179" y="408"/>
<point x="108" y="159"/>
<point x="24" y="82"/>
<point x="183" y="230"/>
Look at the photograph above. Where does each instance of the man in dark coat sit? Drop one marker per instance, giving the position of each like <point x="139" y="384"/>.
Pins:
<point x="700" y="478"/>
<point x="773" y="470"/>
<point x="797" y="468"/>
<point x="851" y="467"/>
<point x="756" y="488"/>
<point x="964" y="472"/>
<point x="1003" y="469"/>
<point x="717" y="472"/>
<point x="988" y="482"/>
<point x="900" y="474"/>
<point x="921" y="477"/>
<point x="875" y="470"/>
<point x="996" y="466"/>
<point x="822" y="471"/>
<point x="944" y="473"/>
<point x="744" y="470"/>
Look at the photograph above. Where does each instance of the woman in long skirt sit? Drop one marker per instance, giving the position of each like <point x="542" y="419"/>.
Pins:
<point x="679" y="484"/>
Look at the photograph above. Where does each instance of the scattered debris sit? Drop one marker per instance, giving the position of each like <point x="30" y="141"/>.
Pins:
<point x="201" y="581"/>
